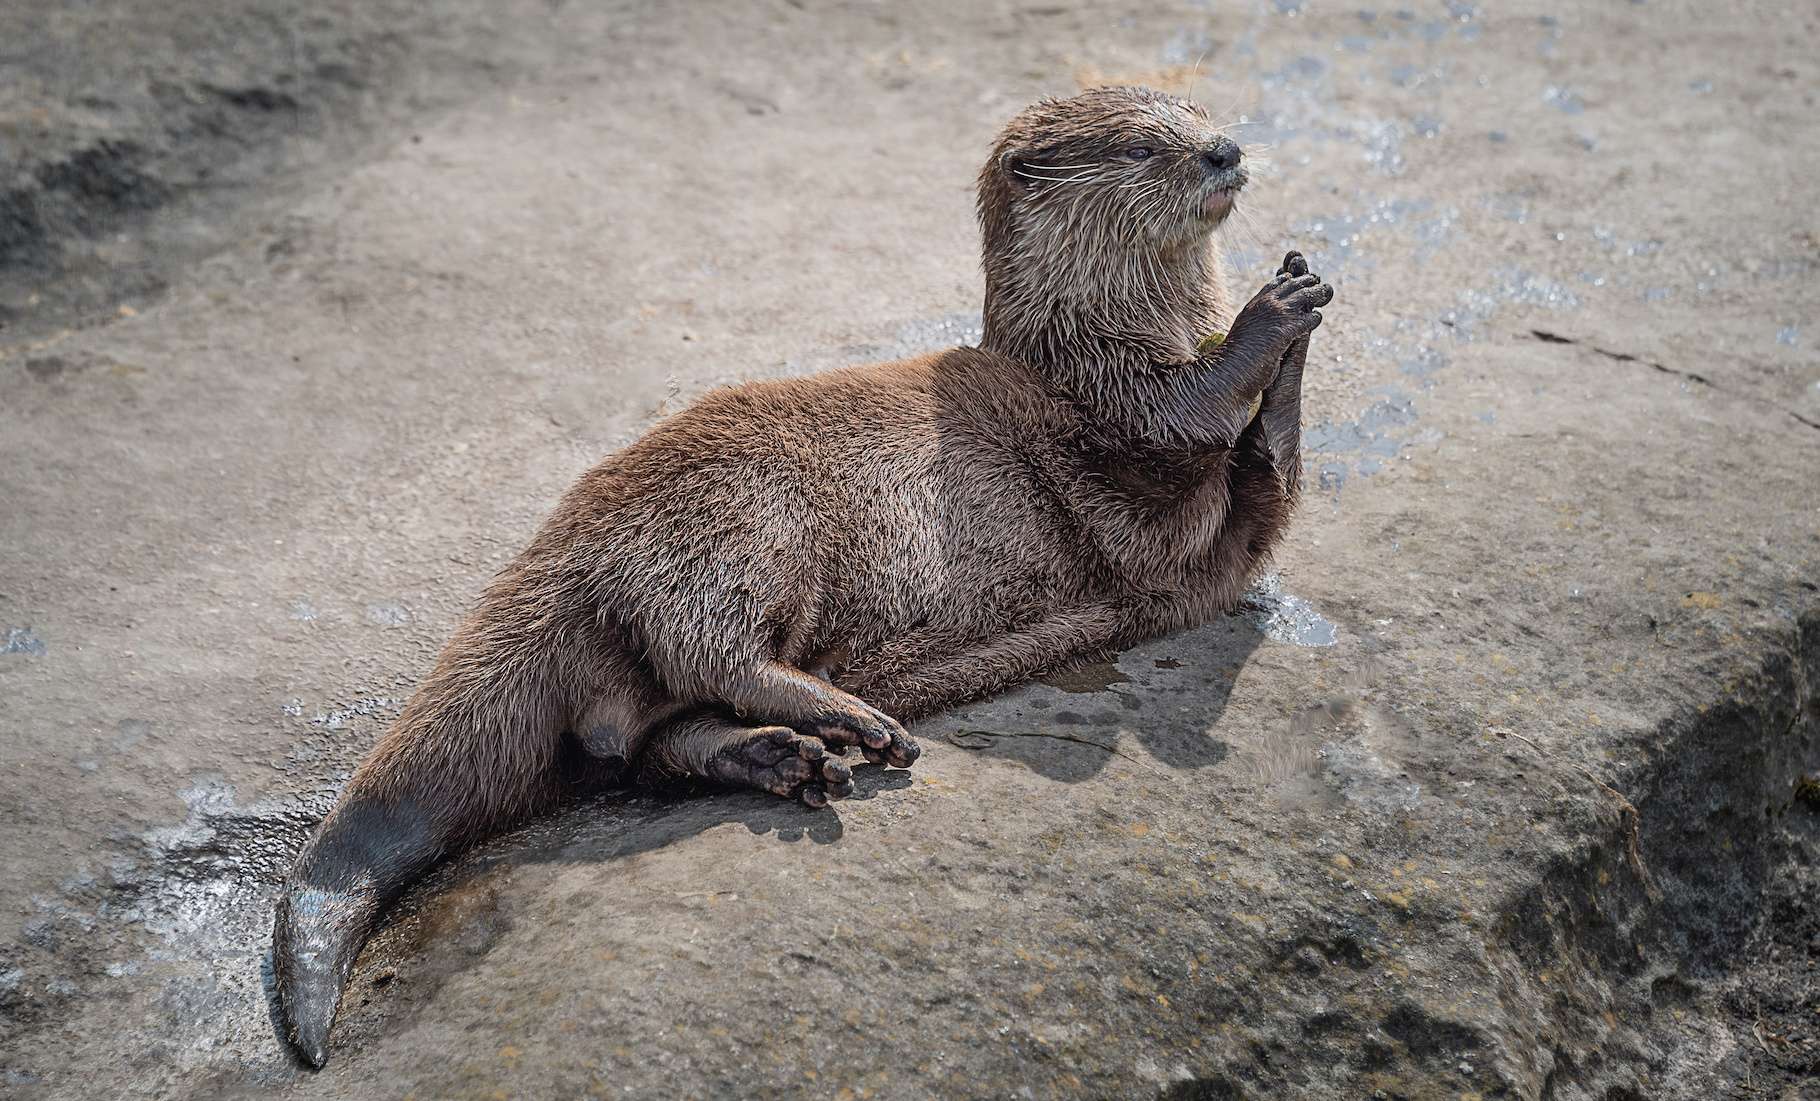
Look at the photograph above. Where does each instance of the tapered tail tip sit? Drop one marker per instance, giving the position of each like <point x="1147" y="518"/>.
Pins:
<point x="360" y="860"/>
<point x="309" y="1035"/>
<point x="316" y="937"/>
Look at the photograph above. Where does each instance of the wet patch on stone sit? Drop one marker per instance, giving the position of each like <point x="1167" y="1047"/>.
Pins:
<point x="1343" y="236"/>
<point x="186" y="905"/>
<point x="336" y="718"/>
<point x="21" y="640"/>
<point x="1281" y="616"/>
<point x="1363" y="444"/>
<point x="1094" y="677"/>
<point x="388" y="615"/>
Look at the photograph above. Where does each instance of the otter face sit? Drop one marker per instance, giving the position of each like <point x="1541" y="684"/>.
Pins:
<point x="1145" y="169"/>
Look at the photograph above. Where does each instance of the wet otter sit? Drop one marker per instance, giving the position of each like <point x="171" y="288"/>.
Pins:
<point x="786" y="570"/>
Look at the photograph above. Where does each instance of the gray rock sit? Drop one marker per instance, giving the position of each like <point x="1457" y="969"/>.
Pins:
<point x="1529" y="824"/>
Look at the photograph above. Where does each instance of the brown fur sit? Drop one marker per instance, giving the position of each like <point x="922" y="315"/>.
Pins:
<point x="791" y="564"/>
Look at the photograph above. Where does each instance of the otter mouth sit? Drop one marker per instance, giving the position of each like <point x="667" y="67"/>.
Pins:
<point x="1215" y="205"/>
<point x="1220" y="193"/>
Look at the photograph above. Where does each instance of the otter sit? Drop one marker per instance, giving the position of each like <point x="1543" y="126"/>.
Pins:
<point x="789" y="570"/>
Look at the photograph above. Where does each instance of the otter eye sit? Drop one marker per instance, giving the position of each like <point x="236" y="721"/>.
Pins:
<point x="1138" y="153"/>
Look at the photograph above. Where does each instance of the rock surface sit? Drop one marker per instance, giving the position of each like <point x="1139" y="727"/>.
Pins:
<point x="1495" y="791"/>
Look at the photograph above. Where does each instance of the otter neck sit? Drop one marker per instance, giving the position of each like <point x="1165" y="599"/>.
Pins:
<point x="1096" y="319"/>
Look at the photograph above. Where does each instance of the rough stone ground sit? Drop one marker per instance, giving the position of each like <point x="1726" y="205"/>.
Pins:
<point x="311" y="312"/>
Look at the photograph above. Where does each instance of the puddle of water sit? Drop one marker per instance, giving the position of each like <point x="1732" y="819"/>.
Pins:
<point x="202" y="883"/>
<point x="1383" y="140"/>
<point x="388" y="615"/>
<point x="1341" y="236"/>
<point x="366" y="707"/>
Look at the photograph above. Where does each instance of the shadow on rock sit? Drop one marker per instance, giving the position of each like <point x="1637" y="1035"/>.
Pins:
<point x="1168" y="696"/>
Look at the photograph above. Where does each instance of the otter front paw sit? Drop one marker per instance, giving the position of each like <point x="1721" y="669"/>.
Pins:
<point x="783" y="762"/>
<point x="1289" y="305"/>
<point x="879" y="737"/>
<point x="1288" y="380"/>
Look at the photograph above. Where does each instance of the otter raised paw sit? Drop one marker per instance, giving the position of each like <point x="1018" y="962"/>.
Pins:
<point x="1286" y="308"/>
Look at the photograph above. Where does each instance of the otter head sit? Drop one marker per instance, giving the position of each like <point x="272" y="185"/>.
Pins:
<point x="1098" y="213"/>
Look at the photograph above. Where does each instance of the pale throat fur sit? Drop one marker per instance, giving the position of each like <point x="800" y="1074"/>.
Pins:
<point x="1098" y="217"/>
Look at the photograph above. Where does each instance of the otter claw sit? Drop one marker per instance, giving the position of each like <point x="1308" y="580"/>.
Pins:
<point x="879" y="737"/>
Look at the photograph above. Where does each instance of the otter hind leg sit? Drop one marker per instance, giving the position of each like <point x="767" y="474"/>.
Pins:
<point x="777" y="693"/>
<point x="770" y="758"/>
<point x="613" y="729"/>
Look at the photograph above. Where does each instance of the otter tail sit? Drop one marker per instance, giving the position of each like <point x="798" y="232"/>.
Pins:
<point x="476" y="749"/>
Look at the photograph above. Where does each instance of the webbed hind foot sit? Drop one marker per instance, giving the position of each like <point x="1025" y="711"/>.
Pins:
<point x="769" y="758"/>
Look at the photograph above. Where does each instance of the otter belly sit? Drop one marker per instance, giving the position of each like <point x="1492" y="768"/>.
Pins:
<point x="947" y="563"/>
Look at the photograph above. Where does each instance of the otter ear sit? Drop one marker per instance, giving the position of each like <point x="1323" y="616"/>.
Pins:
<point x="1015" y="163"/>
<point x="999" y="186"/>
<point x="1011" y="163"/>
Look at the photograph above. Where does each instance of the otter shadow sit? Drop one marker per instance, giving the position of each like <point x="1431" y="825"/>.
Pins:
<point x="1168" y="695"/>
<point x="602" y="826"/>
<point x="457" y="902"/>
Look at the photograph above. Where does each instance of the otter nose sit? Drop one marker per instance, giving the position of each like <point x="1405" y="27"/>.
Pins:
<point x="1223" y="154"/>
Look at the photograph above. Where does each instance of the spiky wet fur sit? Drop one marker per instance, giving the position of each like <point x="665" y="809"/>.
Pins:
<point x="920" y="532"/>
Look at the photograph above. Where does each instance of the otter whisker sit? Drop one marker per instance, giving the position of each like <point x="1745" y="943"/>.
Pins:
<point x="1259" y="157"/>
<point x="1260" y="165"/>
<point x="1195" y="73"/>
<point x="1140" y="197"/>
<point x="1243" y="226"/>
<point x="1055" y="179"/>
<point x="1232" y="106"/>
<point x="1152" y="204"/>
